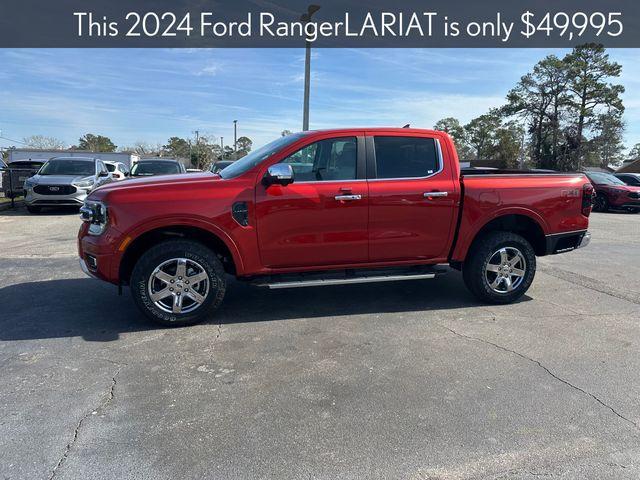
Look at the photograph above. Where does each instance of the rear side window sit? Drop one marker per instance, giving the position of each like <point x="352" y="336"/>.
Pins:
<point x="405" y="157"/>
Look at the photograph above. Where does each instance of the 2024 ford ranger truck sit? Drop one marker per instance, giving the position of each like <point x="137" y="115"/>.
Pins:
<point x="324" y="208"/>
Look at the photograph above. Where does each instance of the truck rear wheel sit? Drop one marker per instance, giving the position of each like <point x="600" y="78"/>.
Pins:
<point x="178" y="282"/>
<point x="500" y="267"/>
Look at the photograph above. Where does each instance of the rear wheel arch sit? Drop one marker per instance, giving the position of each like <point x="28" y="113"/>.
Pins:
<point x="523" y="225"/>
<point x="152" y="237"/>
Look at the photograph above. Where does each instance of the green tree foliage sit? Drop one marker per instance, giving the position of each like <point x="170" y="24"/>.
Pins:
<point x="634" y="153"/>
<point x="589" y="72"/>
<point x="572" y="110"/>
<point x="481" y="134"/>
<point x="96" y="143"/>
<point x="541" y="99"/>
<point x="606" y="146"/>
<point x="458" y="134"/>
<point x="176" y="147"/>
<point x="244" y="145"/>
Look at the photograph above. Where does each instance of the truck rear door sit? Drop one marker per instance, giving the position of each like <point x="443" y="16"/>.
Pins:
<point x="412" y="197"/>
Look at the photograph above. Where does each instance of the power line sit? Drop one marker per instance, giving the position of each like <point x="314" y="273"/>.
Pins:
<point x="14" y="141"/>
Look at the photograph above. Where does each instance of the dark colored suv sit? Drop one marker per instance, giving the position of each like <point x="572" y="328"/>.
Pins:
<point x="632" y="179"/>
<point x="157" y="166"/>
<point x="613" y="193"/>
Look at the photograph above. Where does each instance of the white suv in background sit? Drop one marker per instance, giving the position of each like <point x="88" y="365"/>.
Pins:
<point x="64" y="181"/>
<point x="118" y="170"/>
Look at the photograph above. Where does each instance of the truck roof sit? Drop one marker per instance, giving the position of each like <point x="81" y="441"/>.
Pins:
<point x="378" y="129"/>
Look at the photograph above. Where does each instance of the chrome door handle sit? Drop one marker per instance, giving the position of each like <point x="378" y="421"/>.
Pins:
<point x="342" y="198"/>
<point x="435" y="194"/>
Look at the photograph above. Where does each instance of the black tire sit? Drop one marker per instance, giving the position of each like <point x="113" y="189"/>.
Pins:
<point x="198" y="256"/>
<point x="485" y="249"/>
<point x="600" y="204"/>
<point x="633" y="210"/>
<point x="31" y="209"/>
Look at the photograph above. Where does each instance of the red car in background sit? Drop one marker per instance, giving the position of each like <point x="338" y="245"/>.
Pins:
<point x="613" y="193"/>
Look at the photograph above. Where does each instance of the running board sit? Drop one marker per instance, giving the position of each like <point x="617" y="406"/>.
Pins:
<point x="317" y="280"/>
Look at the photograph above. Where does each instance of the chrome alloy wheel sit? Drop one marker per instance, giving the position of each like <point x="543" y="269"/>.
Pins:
<point x="178" y="285"/>
<point x="506" y="270"/>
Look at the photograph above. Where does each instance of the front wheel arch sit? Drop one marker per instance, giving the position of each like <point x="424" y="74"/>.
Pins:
<point x="150" y="238"/>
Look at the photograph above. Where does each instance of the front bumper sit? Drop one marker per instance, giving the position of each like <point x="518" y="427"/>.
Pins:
<point x="34" y="199"/>
<point x="633" y="204"/>
<point x="567" y="241"/>
<point x="99" y="256"/>
<point x="85" y="268"/>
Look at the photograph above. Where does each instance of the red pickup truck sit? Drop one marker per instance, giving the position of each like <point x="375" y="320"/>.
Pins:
<point x="324" y="208"/>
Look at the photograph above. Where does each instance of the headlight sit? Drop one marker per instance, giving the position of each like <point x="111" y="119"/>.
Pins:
<point x="29" y="183"/>
<point x="96" y="214"/>
<point x="88" y="183"/>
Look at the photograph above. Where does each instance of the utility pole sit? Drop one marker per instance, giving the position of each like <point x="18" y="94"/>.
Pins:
<point x="306" y="17"/>
<point x="235" y="139"/>
<point x="197" y="134"/>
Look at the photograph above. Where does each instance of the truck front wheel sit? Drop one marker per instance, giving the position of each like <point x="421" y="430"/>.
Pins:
<point x="500" y="267"/>
<point x="178" y="282"/>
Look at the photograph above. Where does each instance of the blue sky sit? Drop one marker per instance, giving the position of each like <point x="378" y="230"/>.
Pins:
<point x="152" y="94"/>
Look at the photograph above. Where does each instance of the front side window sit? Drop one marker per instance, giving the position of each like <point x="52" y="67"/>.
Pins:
<point x="405" y="157"/>
<point x="325" y="160"/>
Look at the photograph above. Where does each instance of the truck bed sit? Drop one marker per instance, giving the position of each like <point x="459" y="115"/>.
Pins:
<point x="548" y="202"/>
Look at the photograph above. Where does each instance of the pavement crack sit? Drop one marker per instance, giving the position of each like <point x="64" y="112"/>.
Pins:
<point x="548" y="371"/>
<point x="590" y="283"/>
<point x="106" y="400"/>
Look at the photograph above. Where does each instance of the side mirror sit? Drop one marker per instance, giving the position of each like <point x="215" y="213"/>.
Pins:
<point x="103" y="174"/>
<point x="280" y="174"/>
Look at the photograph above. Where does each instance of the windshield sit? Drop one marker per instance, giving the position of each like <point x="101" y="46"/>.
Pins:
<point x="254" y="158"/>
<point x="155" y="168"/>
<point x="605" y="179"/>
<point x="69" y="167"/>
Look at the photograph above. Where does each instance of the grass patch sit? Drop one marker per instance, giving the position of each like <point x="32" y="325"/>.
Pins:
<point x="4" y="200"/>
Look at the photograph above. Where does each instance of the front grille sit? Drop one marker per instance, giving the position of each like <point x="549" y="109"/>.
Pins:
<point x="634" y="194"/>
<point x="54" y="189"/>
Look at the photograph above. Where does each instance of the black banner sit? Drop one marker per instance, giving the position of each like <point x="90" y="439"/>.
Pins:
<point x="327" y="23"/>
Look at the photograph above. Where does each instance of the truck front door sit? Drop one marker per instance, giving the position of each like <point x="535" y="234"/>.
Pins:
<point x="411" y="198"/>
<point x="321" y="218"/>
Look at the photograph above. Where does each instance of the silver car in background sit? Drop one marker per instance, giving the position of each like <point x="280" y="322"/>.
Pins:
<point x="64" y="181"/>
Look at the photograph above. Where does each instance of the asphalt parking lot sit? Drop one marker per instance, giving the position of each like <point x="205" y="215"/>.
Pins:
<point x="414" y="380"/>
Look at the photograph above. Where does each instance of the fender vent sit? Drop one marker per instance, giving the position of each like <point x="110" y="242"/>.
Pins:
<point x="240" y="213"/>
